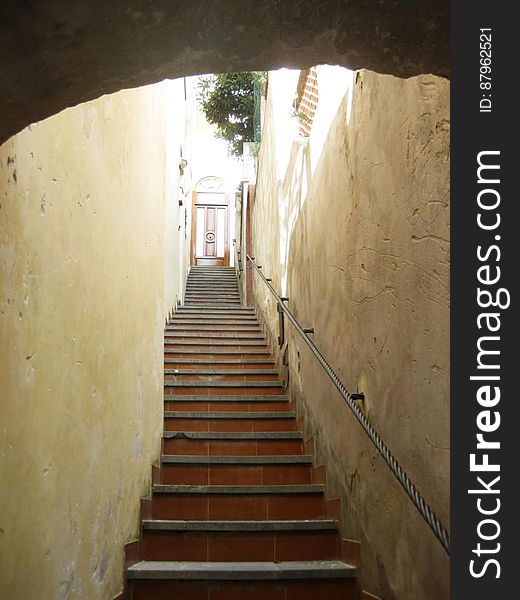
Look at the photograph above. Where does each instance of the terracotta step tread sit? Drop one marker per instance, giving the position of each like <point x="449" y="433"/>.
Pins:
<point x="226" y="384"/>
<point x="193" y="351"/>
<point x="215" y="320"/>
<point x="212" y="305"/>
<point x="218" y="343"/>
<point x="177" y="414"/>
<point x="237" y="460"/>
<point x="216" y="293"/>
<point x="206" y="398"/>
<point x="193" y="306"/>
<point x="233" y="435"/>
<point x="298" y="525"/>
<point x="212" y="571"/>
<point x="219" y="325"/>
<point x="217" y="335"/>
<point x="208" y="325"/>
<point x="221" y="361"/>
<point x="212" y="327"/>
<point x="213" y="311"/>
<point x="217" y="271"/>
<point x="222" y="303"/>
<point x="255" y="490"/>
<point x="221" y="372"/>
<point x="213" y="284"/>
<point x="211" y="320"/>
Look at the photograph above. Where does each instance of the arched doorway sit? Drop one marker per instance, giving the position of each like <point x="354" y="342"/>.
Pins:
<point x="210" y="223"/>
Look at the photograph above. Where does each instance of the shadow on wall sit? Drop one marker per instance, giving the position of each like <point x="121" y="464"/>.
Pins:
<point x="361" y="248"/>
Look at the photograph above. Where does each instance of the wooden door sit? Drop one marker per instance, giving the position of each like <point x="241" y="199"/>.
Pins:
<point x="210" y="229"/>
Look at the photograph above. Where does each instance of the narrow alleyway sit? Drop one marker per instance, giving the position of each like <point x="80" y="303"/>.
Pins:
<point x="239" y="509"/>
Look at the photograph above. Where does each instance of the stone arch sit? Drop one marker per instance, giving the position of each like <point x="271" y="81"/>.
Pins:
<point x="56" y="54"/>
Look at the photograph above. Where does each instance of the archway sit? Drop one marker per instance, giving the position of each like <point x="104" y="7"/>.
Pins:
<point x="56" y="56"/>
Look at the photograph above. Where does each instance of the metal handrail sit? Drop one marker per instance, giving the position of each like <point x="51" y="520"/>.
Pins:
<point x="352" y="400"/>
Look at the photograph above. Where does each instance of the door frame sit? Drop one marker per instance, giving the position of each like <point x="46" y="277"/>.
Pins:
<point x="193" y="245"/>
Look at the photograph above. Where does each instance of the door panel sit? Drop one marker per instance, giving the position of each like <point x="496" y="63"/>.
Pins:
<point x="210" y="243"/>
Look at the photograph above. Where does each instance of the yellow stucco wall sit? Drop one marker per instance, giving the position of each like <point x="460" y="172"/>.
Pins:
<point x="83" y="271"/>
<point x="360" y="245"/>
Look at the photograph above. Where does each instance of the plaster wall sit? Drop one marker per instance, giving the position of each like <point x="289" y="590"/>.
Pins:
<point x="89" y="267"/>
<point x="355" y="231"/>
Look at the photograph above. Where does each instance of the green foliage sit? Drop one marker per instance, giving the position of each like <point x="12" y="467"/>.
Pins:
<point x="227" y="101"/>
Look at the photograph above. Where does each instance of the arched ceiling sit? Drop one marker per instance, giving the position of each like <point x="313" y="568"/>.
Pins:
<point x="58" y="53"/>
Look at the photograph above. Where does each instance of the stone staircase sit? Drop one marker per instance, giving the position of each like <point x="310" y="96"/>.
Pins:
<point x="238" y="510"/>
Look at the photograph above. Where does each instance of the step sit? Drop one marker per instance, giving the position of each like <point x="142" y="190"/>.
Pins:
<point x="212" y="334"/>
<point x="216" y="275"/>
<point x="177" y="459"/>
<point x="217" y="324"/>
<point x="205" y="355"/>
<point x="236" y="470"/>
<point x="230" y="286"/>
<point x="234" y="435"/>
<point x="218" y="343"/>
<point x="220" y="324"/>
<point x="212" y="282"/>
<point x="244" y="443"/>
<point x="214" y="352"/>
<point x="240" y="571"/>
<point x="220" y="361"/>
<point x="213" y="295"/>
<point x="201" y="398"/>
<point x="177" y="403"/>
<point x="202" y="383"/>
<point x="210" y="307"/>
<point x="229" y="421"/>
<point x="219" y="329"/>
<point x="200" y="378"/>
<point x="231" y="502"/>
<point x="179" y="414"/>
<point x="238" y="490"/>
<point x="292" y="589"/>
<point x="240" y="312"/>
<point x="220" y="372"/>
<point x="229" y="526"/>
<point x="226" y="303"/>
<point x="228" y="320"/>
<point x="213" y="387"/>
<point x="216" y="288"/>
<point x="245" y="541"/>
<point x="223" y="305"/>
